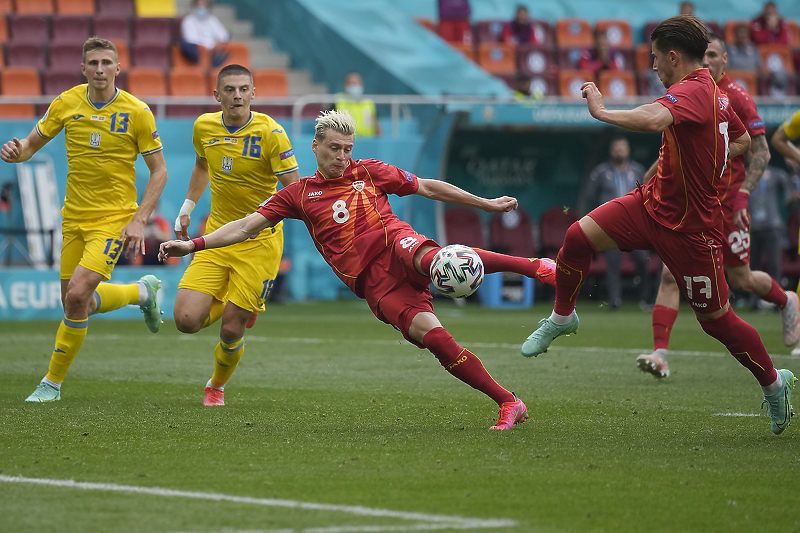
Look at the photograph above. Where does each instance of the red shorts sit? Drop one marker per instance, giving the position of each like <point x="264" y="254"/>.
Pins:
<point x="695" y="259"/>
<point x="736" y="250"/>
<point x="393" y="288"/>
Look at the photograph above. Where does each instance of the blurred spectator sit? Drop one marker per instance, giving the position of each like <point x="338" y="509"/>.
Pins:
<point x="520" y="27"/>
<point x="743" y="54"/>
<point x="687" y="8"/>
<point x="601" y="57"/>
<point x="454" y="25"/>
<point x="157" y="230"/>
<point x="769" y="27"/>
<point x="612" y="179"/>
<point x="201" y="28"/>
<point x="361" y="109"/>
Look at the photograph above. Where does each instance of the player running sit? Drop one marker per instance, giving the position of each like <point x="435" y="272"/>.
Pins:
<point x="734" y="190"/>
<point x="105" y="130"/>
<point x="678" y="212"/>
<point x="243" y="155"/>
<point x="380" y="258"/>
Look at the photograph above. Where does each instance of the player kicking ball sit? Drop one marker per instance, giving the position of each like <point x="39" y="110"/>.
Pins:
<point x="380" y="258"/>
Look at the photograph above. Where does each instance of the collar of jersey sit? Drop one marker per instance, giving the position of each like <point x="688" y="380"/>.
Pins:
<point x="234" y="129"/>
<point x="102" y="104"/>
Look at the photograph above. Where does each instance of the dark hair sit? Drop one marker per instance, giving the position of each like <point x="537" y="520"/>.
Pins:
<point x="684" y="34"/>
<point x="719" y="39"/>
<point x="233" y="70"/>
<point x="98" y="43"/>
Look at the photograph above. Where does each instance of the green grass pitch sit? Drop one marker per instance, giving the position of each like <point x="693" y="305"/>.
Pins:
<point x="333" y="424"/>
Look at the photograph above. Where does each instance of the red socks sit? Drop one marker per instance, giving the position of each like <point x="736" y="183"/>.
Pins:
<point x="776" y="295"/>
<point x="574" y="260"/>
<point x="493" y="262"/>
<point x="663" y="320"/>
<point x="743" y="342"/>
<point x="464" y="365"/>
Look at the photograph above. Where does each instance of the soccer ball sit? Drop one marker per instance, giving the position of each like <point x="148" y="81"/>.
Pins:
<point x="457" y="271"/>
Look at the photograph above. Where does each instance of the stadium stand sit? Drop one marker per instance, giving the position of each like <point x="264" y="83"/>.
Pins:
<point x="553" y="226"/>
<point x="153" y="31"/>
<point x="75" y="7"/>
<point x="746" y="79"/>
<point x="66" y="57"/>
<point x="114" y="27"/>
<point x="123" y="54"/>
<point x="180" y="60"/>
<point x="55" y="82"/>
<point x="536" y="60"/>
<point x="146" y="81"/>
<point x="19" y="81"/>
<point x="70" y="29"/>
<point x="617" y="84"/>
<point x="6" y="6"/>
<point x="187" y="81"/>
<point x="497" y="58"/>
<point x="3" y="29"/>
<point x="618" y="32"/>
<point x="26" y="54"/>
<point x="463" y="226"/>
<point x="145" y="54"/>
<point x="29" y="28"/>
<point x="238" y="52"/>
<point x="35" y="7"/>
<point x="467" y="49"/>
<point x="116" y="7"/>
<point x="570" y="82"/>
<point x="271" y="82"/>
<point x="512" y="233"/>
<point x="574" y="33"/>
<point x="492" y="31"/>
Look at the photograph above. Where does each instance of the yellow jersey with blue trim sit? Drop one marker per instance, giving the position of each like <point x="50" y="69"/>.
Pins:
<point x="103" y="141"/>
<point x="792" y="126"/>
<point x="244" y="163"/>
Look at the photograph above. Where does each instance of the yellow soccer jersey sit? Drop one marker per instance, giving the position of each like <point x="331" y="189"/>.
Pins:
<point x="792" y="126"/>
<point x="243" y="163"/>
<point x="103" y="141"/>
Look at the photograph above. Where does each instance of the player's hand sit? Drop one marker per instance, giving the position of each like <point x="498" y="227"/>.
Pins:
<point x="174" y="249"/>
<point x="133" y="237"/>
<point x="182" y="227"/>
<point x="741" y="219"/>
<point x="501" y="205"/>
<point x="594" y="99"/>
<point x="11" y="151"/>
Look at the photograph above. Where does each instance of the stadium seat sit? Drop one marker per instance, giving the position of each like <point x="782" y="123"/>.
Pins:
<point x="123" y="54"/>
<point x="238" y="53"/>
<point x="569" y="58"/>
<point x="617" y="84"/>
<point x="542" y="32"/>
<point x="746" y="79"/>
<point x="512" y="233"/>
<point x="6" y="6"/>
<point x="144" y="54"/>
<point x="146" y="81"/>
<point x="618" y="32"/>
<point x="3" y="29"/>
<point x="492" y="31"/>
<point x="35" y="7"/>
<point x="497" y="58"/>
<point x="455" y="31"/>
<point x="113" y="27"/>
<point x="152" y="31"/>
<point x="467" y="50"/>
<point x="70" y="29"/>
<point x="55" y="82"/>
<point x="278" y="112"/>
<point x="535" y="60"/>
<point x="463" y="226"/>
<point x="19" y="81"/>
<point x="180" y="60"/>
<point x="730" y="29"/>
<point x="76" y="7"/>
<point x="648" y="30"/>
<point x="713" y="27"/>
<point x="271" y="82"/>
<point x="644" y="57"/>
<point x="187" y="81"/>
<point x="570" y="82"/>
<point x="794" y="33"/>
<point x="156" y="8"/>
<point x="29" y="29"/>
<point x="777" y="58"/>
<point x="26" y="54"/>
<point x="553" y="227"/>
<point x="116" y="7"/>
<point x="65" y="57"/>
<point x="574" y="33"/>
<point x="545" y="84"/>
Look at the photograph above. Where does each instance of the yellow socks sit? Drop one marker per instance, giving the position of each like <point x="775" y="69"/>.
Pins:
<point x="68" y="341"/>
<point x="226" y="357"/>
<point x="214" y="314"/>
<point x="109" y="296"/>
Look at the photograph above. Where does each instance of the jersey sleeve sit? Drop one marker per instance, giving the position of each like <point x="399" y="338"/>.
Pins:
<point x="683" y="106"/>
<point x="147" y="138"/>
<point x="53" y="120"/>
<point x="748" y="113"/>
<point x="392" y="180"/>
<point x="282" y="204"/>
<point x="197" y="140"/>
<point x="792" y="126"/>
<point x="281" y="153"/>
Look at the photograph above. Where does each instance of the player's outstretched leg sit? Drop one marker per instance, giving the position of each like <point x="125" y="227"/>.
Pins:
<point x="541" y="268"/>
<point x="654" y="363"/>
<point x="511" y="413"/>
<point x="779" y="404"/>
<point x="152" y="313"/>
<point x="540" y="340"/>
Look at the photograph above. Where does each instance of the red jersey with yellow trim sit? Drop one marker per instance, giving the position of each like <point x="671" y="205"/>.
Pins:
<point x="683" y="194"/>
<point x="745" y="108"/>
<point x="349" y="217"/>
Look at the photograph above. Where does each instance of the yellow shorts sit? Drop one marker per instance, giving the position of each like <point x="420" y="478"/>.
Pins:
<point x="93" y="244"/>
<point x="242" y="274"/>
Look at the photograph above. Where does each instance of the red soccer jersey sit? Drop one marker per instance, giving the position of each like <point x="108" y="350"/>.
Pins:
<point x="745" y="108"/>
<point x="349" y="218"/>
<point x="683" y="193"/>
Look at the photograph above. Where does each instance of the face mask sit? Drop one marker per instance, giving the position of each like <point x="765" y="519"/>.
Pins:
<point x="201" y="12"/>
<point x="354" y="90"/>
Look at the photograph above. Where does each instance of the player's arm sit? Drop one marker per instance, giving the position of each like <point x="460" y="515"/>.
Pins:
<point x="758" y="157"/>
<point x="289" y="178"/>
<point x="198" y="181"/>
<point x="785" y="146"/>
<point x="446" y="192"/>
<point x="648" y="118"/>
<point x="17" y="151"/>
<point x="133" y="233"/>
<point x="231" y="233"/>
<point x="738" y="146"/>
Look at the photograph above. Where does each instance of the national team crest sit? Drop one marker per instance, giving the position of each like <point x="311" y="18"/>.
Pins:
<point x="227" y="163"/>
<point x="723" y="102"/>
<point x="94" y="139"/>
<point x="358" y="185"/>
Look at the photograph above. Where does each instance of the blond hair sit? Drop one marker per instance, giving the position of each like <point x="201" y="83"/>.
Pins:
<point x="98" y="43"/>
<point x="340" y="121"/>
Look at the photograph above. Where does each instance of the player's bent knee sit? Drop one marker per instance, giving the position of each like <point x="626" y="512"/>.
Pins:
<point x="187" y="324"/>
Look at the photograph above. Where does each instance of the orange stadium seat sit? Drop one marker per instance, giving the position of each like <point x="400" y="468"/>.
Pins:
<point x="794" y="33"/>
<point x="466" y="49"/>
<point x="35" y="7"/>
<point x="116" y="7"/>
<point x="271" y="82"/>
<point x="570" y="82"/>
<point x="746" y="79"/>
<point x="3" y="29"/>
<point x="616" y="84"/>
<point x="143" y="82"/>
<point x="180" y="60"/>
<point x="6" y="6"/>
<point x="123" y="54"/>
<point x="730" y="29"/>
<point x="238" y="53"/>
<point x="187" y="81"/>
<point x="70" y="29"/>
<point x="75" y="7"/>
<point x="26" y="55"/>
<point x="19" y="81"/>
<point x="497" y="58"/>
<point x="534" y="60"/>
<point x="29" y="28"/>
<point x="644" y="57"/>
<point x="618" y="32"/>
<point x="776" y="57"/>
<point x="150" y="55"/>
<point x="574" y="33"/>
<point x="115" y="28"/>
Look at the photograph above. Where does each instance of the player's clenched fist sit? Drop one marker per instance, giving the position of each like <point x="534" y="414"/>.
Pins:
<point x="174" y="249"/>
<point x="11" y="151"/>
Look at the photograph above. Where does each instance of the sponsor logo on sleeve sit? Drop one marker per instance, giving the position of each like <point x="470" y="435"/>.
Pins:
<point x="155" y="134"/>
<point x="671" y="98"/>
<point x="409" y="176"/>
<point x="753" y="124"/>
<point x="287" y="154"/>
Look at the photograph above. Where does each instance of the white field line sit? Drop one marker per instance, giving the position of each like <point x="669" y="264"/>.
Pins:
<point x="430" y="521"/>
<point x="737" y="414"/>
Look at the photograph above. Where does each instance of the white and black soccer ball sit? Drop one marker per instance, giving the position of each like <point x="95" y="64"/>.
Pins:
<point x="457" y="271"/>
